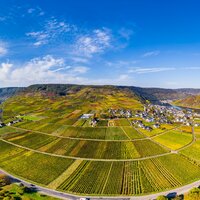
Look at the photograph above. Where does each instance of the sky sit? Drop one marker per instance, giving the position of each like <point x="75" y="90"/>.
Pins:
<point x="146" y="43"/>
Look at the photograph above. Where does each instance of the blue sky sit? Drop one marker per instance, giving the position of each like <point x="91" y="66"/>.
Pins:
<point x="147" y="43"/>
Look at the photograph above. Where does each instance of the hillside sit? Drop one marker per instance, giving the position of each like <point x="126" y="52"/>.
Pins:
<point x="93" y="141"/>
<point x="155" y="95"/>
<point x="158" y="94"/>
<point x="87" y="140"/>
<point x="192" y="101"/>
<point x="8" y="92"/>
<point x="57" y="100"/>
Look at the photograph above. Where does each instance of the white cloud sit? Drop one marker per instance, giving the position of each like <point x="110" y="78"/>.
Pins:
<point x="95" y="42"/>
<point x="4" y="70"/>
<point x="151" y="53"/>
<point x="50" y="32"/>
<point x="47" y="69"/>
<point x="150" y="70"/>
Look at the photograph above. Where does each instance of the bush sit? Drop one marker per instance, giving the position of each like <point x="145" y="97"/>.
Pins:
<point x="161" y="198"/>
<point x="193" y="194"/>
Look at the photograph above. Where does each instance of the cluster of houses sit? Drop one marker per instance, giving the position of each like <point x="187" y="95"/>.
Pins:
<point x="93" y="120"/>
<point x="120" y="113"/>
<point x="14" y="122"/>
<point x="159" y="114"/>
<point x="2" y="124"/>
<point x="10" y="123"/>
<point x="140" y="124"/>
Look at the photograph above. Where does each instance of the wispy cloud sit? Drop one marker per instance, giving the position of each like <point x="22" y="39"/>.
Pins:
<point x="151" y="53"/>
<point x="80" y="69"/>
<point x="150" y="70"/>
<point x="37" y="11"/>
<point x="79" y="59"/>
<point x="122" y="63"/>
<point x="47" y="69"/>
<point x="92" y="43"/>
<point x="3" y="49"/>
<point x="52" y="30"/>
<point x="125" y="33"/>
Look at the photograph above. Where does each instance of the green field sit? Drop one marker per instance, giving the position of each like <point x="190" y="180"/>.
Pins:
<point x="174" y="139"/>
<point x="86" y="148"/>
<point x="193" y="151"/>
<point x="32" y="166"/>
<point x="99" y="177"/>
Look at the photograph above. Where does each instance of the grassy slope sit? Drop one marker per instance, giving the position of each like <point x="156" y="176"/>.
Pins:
<point x="174" y="139"/>
<point x="85" y="100"/>
<point x="190" y="102"/>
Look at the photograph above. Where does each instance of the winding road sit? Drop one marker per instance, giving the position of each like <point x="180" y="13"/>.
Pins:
<point x="62" y="195"/>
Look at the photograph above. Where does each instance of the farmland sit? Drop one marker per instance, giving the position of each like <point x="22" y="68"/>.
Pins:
<point x="174" y="139"/>
<point x="193" y="151"/>
<point x="54" y="145"/>
<point x="85" y="148"/>
<point x="130" y="177"/>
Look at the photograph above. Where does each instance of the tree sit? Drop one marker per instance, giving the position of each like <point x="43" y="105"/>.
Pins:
<point x="161" y="198"/>
<point x="193" y="194"/>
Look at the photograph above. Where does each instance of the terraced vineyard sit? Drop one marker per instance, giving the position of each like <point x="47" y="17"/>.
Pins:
<point x="55" y="147"/>
<point x="174" y="139"/>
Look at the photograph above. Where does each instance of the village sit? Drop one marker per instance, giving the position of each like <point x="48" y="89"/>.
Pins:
<point x="152" y="117"/>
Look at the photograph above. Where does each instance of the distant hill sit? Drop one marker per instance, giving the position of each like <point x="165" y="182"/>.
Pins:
<point x="158" y="94"/>
<point x="192" y="101"/>
<point x="154" y="95"/>
<point x="8" y="92"/>
<point x="56" y="100"/>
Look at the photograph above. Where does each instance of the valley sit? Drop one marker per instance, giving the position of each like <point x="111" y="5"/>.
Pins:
<point x="98" y="141"/>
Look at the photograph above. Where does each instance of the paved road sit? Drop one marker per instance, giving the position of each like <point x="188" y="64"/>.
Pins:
<point x="170" y="193"/>
<point x="61" y="195"/>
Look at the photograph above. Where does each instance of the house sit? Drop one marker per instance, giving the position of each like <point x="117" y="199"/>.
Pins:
<point x="148" y="128"/>
<point x="149" y="119"/>
<point x="9" y="123"/>
<point x="93" y="122"/>
<point x="86" y="116"/>
<point x="156" y="126"/>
